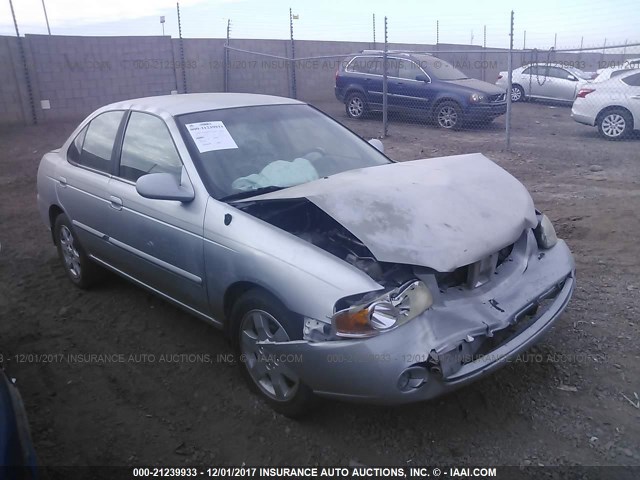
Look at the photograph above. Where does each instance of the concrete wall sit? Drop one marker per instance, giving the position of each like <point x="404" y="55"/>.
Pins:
<point x="13" y="93"/>
<point x="79" y="74"/>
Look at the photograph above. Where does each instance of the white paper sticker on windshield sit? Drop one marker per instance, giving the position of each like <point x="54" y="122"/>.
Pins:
<point x="210" y="136"/>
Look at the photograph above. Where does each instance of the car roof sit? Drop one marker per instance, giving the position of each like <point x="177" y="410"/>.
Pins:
<point x="179" y="104"/>
<point x="550" y="64"/>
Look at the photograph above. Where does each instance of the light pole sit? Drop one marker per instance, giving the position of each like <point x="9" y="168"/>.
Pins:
<point x="161" y="22"/>
<point x="46" y="18"/>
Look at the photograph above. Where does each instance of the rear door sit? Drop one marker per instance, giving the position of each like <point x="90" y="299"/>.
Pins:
<point x="366" y="72"/>
<point x="535" y="79"/>
<point x="412" y="94"/>
<point x="160" y="241"/>
<point x="82" y="185"/>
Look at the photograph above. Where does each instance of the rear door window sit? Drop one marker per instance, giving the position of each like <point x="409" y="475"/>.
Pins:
<point x="97" y="148"/>
<point x="409" y="70"/>
<point x="632" y="80"/>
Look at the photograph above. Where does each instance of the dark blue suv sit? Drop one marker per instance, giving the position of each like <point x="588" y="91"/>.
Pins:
<point x="417" y="83"/>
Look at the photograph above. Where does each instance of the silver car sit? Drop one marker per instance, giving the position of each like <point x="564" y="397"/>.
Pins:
<point x="334" y="270"/>
<point x="544" y="81"/>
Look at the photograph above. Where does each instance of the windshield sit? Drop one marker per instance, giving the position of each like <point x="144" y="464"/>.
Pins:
<point x="243" y="151"/>
<point x="436" y="68"/>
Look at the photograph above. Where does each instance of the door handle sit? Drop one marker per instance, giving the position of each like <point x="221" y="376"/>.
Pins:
<point x="635" y="97"/>
<point x="115" y="202"/>
<point x="63" y="181"/>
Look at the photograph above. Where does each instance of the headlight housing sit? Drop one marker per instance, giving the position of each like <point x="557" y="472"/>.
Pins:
<point x="477" y="98"/>
<point x="383" y="313"/>
<point x="545" y="233"/>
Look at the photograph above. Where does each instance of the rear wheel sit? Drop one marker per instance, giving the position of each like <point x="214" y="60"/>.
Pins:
<point x="258" y="317"/>
<point x="615" y="124"/>
<point x="448" y="115"/>
<point x="79" y="268"/>
<point x="517" y="93"/>
<point x="356" y="105"/>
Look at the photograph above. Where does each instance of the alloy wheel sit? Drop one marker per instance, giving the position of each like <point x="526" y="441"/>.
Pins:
<point x="356" y="107"/>
<point x="70" y="252"/>
<point x="274" y="379"/>
<point x="613" y="125"/>
<point x="447" y="117"/>
<point x="516" y="94"/>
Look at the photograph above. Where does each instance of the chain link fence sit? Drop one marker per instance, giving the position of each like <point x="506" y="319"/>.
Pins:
<point x="451" y="87"/>
<point x="380" y="80"/>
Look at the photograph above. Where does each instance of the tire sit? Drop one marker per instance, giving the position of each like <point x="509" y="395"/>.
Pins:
<point x="356" y="105"/>
<point x="517" y="93"/>
<point x="256" y="316"/>
<point x="82" y="272"/>
<point x="448" y="115"/>
<point x="615" y="124"/>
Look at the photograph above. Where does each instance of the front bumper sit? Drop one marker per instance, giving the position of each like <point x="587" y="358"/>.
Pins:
<point x="370" y="370"/>
<point x="485" y="110"/>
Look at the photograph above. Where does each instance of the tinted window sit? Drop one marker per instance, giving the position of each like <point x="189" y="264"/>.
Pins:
<point x="370" y="65"/>
<point x="632" y="80"/>
<point x="409" y="70"/>
<point x="393" y="66"/>
<point x="558" y="73"/>
<point x="615" y="73"/>
<point x="439" y="69"/>
<point x="376" y="65"/>
<point x="98" y="141"/>
<point x="531" y="71"/>
<point x="147" y="148"/>
<point x="73" y="154"/>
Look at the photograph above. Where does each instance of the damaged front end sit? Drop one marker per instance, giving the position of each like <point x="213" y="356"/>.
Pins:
<point x="424" y="332"/>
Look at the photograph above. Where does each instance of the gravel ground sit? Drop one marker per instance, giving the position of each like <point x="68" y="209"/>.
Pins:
<point x="573" y="402"/>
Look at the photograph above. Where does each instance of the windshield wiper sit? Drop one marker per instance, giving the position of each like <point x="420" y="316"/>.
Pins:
<point x="250" y="193"/>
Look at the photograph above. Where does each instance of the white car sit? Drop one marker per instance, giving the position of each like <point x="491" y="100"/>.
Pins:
<point x="608" y="73"/>
<point x="544" y="81"/>
<point x="614" y="71"/>
<point x="613" y="106"/>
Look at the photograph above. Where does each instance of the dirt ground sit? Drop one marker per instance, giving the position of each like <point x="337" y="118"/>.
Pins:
<point x="571" y="403"/>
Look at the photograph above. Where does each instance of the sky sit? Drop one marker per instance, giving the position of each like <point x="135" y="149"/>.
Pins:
<point x="409" y="21"/>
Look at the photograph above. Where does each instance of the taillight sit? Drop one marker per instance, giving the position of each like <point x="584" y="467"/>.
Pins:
<point x="337" y="72"/>
<point x="584" y="92"/>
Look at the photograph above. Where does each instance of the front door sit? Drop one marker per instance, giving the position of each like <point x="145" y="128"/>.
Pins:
<point x="160" y="241"/>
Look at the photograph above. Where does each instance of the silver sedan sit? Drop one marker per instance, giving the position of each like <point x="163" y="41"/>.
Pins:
<point x="544" y="81"/>
<point x="334" y="271"/>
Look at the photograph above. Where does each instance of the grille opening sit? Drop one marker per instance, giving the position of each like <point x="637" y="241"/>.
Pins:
<point x="458" y="278"/>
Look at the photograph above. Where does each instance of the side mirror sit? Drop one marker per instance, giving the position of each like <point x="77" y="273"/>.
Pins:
<point x="165" y="186"/>
<point x="377" y="144"/>
<point x="422" y="78"/>
<point x="572" y="78"/>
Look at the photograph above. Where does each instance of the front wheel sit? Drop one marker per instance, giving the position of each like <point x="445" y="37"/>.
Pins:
<point x="448" y="115"/>
<point x="615" y="124"/>
<point x="356" y="105"/>
<point x="258" y="317"/>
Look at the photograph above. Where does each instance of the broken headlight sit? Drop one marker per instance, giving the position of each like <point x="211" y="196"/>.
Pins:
<point x="383" y="313"/>
<point x="545" y="233"/>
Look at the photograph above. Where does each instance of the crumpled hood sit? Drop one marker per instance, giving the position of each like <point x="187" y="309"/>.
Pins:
<point x="442" y="213"/>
